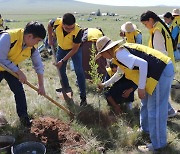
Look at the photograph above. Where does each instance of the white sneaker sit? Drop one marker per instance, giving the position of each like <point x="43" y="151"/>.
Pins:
<point x="146" y="148"/>
<point x="172" y="113"/>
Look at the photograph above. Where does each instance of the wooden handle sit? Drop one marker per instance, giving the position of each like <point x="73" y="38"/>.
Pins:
<point x="66" y="97"/>
<point x="36" y="89"/>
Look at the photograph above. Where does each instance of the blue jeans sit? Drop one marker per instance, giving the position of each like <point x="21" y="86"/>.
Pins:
<point x="154" y="110"/>
<point x="77" y="61"/>
<point x="17" y="88"/>
<point x="177" y="55"/>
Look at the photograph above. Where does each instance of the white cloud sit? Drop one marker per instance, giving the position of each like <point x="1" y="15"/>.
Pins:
<point x="134" y="2"/>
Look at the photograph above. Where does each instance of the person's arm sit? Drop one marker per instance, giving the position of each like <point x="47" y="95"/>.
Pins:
<point x="118" y="75"/>
<point x="127" y="92"/>
<point x="4" y="50"/>
<point x="76" y="44"/>
<point x="39" y="68"/>
<point x="69" y="55"/>
<point x="41" y="89"/>
<point x="159" y="42"/>
<point x="50" y="31"/>
<point x="139" y="38"/>
<point x="143" y="68"/>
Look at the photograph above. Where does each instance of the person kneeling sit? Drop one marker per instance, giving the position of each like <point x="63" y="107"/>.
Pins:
<point x="118" y="90"/>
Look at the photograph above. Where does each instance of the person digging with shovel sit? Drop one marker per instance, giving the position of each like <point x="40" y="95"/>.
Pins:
<point x="16" y="45"/>
<point x="69" y="36"/>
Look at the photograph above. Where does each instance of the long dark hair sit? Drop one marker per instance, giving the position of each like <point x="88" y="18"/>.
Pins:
<point x="150" y="14"/>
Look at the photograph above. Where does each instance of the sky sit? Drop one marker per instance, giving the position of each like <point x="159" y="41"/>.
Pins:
<point x="134" y="2"/>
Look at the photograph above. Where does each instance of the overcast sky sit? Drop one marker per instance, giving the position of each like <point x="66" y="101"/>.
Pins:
<point x="134" y="2"/>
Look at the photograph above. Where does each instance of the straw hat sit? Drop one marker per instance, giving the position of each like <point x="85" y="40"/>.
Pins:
<point x="176" y="12"/>
<point x="128" y="27"/>
<point x="104" y="43"/>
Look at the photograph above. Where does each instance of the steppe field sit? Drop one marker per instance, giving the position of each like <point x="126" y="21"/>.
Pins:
<point x="95" y="129"/>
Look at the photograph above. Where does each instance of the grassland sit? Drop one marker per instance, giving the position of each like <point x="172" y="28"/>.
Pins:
<point x="120" y="137"/>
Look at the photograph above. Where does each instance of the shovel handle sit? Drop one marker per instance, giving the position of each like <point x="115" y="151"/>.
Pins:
<point x="66" y="97"/>
<point x="36" y="89"/>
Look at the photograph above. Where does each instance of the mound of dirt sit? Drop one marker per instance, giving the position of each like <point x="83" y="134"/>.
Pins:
<point x="57" y="135"/>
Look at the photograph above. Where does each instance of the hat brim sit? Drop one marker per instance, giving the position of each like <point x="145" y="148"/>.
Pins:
<point x="175" y="14"/>
<point x="125" y="30"/>
<point x="109" y="46"/>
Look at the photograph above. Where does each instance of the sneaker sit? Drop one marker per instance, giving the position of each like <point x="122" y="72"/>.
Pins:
<point x="172" y="113"/>
<point x="25" y="121"/>
<point x="83" y="101"/>
<point x="146" y="148"/>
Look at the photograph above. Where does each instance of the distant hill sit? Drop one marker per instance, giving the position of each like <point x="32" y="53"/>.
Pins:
<point x="55" y="6"/>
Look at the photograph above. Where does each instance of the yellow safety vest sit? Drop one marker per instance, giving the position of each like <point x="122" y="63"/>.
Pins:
<point x="65" y="42"/>
<point x="16" y="53"/>
<point x="176" y="22"/>
<point x="94" y="34"/>
<point x="1" y="22"/>
<point x="167" y="38"/>
<point x="157" y="61"/>
<point x="109" y="71"/>
<point x="131" y="37"/>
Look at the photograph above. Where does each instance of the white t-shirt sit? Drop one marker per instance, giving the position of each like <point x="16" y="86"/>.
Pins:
<point x="130" y="61"/>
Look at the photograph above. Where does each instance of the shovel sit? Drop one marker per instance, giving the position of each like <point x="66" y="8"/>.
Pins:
<point x="36" y="89"/>
<point x="62" y="94"/>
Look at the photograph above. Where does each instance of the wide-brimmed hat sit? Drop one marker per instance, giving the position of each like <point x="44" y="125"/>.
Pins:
<point x="104" y="43"/>
<point x="128" y="27"/>
<point x="176" y="12"/>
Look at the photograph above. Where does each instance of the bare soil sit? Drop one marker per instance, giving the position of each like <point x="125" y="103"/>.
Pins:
<point x="57" y="136"/>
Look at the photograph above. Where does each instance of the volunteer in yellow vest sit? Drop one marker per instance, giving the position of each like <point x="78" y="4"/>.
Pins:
<point x="175" y="32"/>
<point x="69" y="36"/>
<point x="15" y="46"/>
<point x="160" y="39"/>
<point x="1" y="22"/>
<point x="131" y="33"/>
<point x="153" y="72"/>
<point x="173" y="22"/>
<point x="160" y="36"/>
<point x="89" y="38"/>
<point x="119" y="90"/>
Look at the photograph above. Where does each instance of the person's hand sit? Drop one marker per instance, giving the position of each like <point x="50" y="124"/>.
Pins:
<point x="141" y="93"/>
<point x="100" y="87"/>
<point x="41" y="90"/>
<point x="127" y="92"/>
<point x="21" y="76"/>
<point x="59" y="64"/>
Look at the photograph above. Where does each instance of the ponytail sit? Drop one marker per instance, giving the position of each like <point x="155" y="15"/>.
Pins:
<point x="149" y="14"/>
